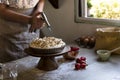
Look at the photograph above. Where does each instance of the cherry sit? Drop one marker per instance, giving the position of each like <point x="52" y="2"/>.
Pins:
<point x="82" y="61"/>
<point x="83" y="58"/>
<point x="78" y="60"/>
<point x="74" y="48"/>
<point x="83" y="65"/>
<point x="77" y="66"/>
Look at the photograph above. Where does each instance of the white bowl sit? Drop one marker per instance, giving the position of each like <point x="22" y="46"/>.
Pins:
<point x="103" y="55"/>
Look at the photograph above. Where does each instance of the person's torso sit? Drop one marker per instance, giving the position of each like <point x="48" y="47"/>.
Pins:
<point x="20" y="6"/>
<point x="15" y="37"/>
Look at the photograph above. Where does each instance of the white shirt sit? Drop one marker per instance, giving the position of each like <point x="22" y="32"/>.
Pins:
<point x="21" y="4"/>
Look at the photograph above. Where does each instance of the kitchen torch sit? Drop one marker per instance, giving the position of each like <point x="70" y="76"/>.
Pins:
<point x="46" y="20"/>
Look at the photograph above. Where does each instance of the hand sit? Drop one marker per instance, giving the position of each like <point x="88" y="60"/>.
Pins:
<point x="36" y="23"/>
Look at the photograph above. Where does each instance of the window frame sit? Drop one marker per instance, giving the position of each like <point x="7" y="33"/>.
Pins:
<point x="81" y="18"/>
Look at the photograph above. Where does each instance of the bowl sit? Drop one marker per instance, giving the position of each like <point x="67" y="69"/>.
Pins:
<point x="72" y="54"/>
<point x="103" y="55"/>
<point x="47" y="51"/>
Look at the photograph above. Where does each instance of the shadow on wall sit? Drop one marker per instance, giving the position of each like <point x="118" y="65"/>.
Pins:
<point x="56" y="3"/>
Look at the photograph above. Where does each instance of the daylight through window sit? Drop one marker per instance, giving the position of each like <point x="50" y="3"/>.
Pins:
<point x="105" y="12"/>
<point x="106" y="9"/>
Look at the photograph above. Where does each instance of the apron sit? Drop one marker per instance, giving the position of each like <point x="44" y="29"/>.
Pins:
<point x="15" y="37"/>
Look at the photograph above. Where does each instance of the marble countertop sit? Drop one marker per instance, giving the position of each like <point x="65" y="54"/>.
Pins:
<point x="96" y="70"/>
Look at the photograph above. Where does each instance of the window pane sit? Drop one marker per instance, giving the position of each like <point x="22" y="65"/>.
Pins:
<point x="106" y="13"/>
<point x="105" y="9"/>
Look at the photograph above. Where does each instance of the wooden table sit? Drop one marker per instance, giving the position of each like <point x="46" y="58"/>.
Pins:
<point x="47" y="61"/>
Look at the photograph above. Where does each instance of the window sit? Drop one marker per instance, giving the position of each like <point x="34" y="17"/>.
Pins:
<point x="87" y="12"/>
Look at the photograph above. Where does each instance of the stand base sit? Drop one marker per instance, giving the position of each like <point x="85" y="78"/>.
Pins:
<point x="47" y="63"/>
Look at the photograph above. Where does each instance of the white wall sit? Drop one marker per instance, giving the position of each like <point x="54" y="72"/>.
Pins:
<point x="62" y="21"/>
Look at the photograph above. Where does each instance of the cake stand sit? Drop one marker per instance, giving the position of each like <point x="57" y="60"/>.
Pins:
<point x="47" y="61"/>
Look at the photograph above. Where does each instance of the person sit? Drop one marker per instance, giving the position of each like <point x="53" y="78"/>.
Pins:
<point x="20" y="21"/>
